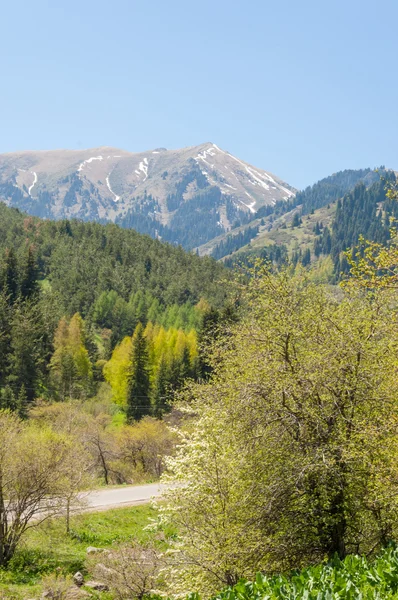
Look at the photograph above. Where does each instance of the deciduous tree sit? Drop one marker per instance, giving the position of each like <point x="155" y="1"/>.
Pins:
<point x="294" y="454"/>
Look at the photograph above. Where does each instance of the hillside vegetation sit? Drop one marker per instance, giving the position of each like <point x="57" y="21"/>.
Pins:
<point x="322" y="222"/>
<point x="70" y="292"/>
<point x="350" y="579"/>
<point x="271" y="420"/>
<point x="296" y="460"/>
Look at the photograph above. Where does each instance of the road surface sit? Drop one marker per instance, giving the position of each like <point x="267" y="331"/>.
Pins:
<point x="124" y="496"/>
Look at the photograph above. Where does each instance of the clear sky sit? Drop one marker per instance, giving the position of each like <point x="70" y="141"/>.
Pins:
<point x="302" y="88"/>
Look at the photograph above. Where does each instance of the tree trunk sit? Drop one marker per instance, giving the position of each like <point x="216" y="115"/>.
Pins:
<point x="3" y="526"/>
<point x="104" y="466"/>
<point x="339" y="522"/>
<point x="68" y="516"/>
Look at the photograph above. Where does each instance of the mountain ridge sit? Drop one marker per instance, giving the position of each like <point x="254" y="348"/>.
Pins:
<point x="166" y="193"/>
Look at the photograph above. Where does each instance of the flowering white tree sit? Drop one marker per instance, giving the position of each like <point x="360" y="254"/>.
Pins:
<point x="294" y="455"/>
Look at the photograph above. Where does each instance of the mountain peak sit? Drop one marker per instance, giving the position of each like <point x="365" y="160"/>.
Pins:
<point x="203" y="188"/>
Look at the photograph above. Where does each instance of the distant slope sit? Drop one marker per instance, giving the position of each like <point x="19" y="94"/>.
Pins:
<point x="334" y="187"/>
<point x="272" y="223"/>
<point x="325" y="232"/>
<point x="186" y="196"/>
<point x="78" y="261"/>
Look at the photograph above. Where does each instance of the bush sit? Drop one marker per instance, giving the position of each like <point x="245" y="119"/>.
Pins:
<point x="351" y="579"/>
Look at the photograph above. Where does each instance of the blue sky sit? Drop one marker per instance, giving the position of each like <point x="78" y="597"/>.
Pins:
<point x="300" y="88"/>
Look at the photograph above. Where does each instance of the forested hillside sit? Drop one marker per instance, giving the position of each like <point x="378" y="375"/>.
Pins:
<point x="326" y="221"/>
<point x="70" y="292"/>
<point x="269" y="218"/>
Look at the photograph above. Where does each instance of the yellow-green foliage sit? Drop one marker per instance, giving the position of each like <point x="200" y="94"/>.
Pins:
<point x="373" y="265"/>
<point x="116" y="370"/>
<point x="70" y="364"/>
<point x="169" y="345"/>
<point x="294" y="452"/>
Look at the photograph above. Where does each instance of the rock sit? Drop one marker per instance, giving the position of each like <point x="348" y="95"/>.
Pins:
<point x="78" y="579"/>
<point x="73" y="593"/>
<point x="76" y="594"/>
<point x="97" y="586"/>
<point x="93" y="550"/>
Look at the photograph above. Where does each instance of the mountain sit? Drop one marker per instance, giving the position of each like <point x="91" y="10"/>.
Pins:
<point x="186" y="196"/>
<point x="323" y="225"/>
<point x="272" y="224"/>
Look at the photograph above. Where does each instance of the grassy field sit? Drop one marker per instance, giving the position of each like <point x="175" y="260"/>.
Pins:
<point x="47" y="549"/>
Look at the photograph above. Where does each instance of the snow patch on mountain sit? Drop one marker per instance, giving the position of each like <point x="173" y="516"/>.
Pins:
<point x="33" y="184"/>
<point x="89" y="160"/>
<point x="116" y="197"/>
<point x="143" y="166"/>
<point x="204" y="154"/>
<point x="257" y="178"/>
<point x="158" y="173"/>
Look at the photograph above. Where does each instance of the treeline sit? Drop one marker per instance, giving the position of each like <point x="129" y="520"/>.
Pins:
<point x="121" y="317"/>
<point x="335" y="186"/>
<point x="232" y="243"/>
<point x="323" y="192"/>
<point x="71" y="291"/>
<point x="77" y="261"/>
<point x="193" y="222"/>
<point x="26" y="330"/>
<point x="197" y="220"/>
<point x="364" y="211"/>
<point x="275" y="254"/>
<point x="146" y="368"/>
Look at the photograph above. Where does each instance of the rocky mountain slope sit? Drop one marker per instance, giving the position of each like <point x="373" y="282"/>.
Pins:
<point x="271" y="224"/>
<point x="186" y="196"/>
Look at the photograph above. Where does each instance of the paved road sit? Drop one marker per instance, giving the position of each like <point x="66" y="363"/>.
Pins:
<point x="123" y="496"/>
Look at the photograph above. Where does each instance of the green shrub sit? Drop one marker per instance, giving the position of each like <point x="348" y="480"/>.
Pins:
<point x="351" y="579"/>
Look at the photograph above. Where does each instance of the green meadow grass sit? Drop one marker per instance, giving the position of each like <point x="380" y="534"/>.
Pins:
<point x="48" y="549"/>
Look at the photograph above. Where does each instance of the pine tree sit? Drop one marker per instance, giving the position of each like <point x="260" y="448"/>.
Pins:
<point x="29" y="286"/>
<point x="22" y="403"/>
<point x="7" y="399"/>
<point x="11" y="276"/>
<point x="138" y="396"/>
<point x="160" y="388"/>
<point x="26" y="358"/>
<point x="4" y="336"/>
<point x="296" y="222"/>
<point x="306" y="260"/>
<point x="317" y="247"/>
<point x="185" y="365"/>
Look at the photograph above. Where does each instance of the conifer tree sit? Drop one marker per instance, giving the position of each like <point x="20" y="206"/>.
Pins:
<point x="11" y="276"/>
<point x="306" y="260"/>
<point x="7" y="399"/>
<point x="22" y="403"/>
<point x="160" y="388"/>
<point x="138" y="395"/>
<point x="4" y="336"/>
<point x="26" y="360"/>
<point x="29" y="286"/>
